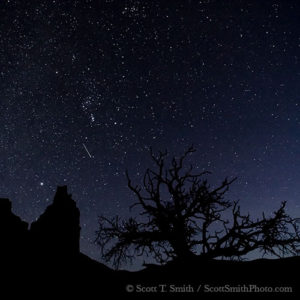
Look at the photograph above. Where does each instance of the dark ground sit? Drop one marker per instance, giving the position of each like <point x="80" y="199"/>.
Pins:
<point x="84" y="278"/>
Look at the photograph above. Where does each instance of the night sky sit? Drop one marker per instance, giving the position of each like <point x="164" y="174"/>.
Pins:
<point x="86" y="87"/>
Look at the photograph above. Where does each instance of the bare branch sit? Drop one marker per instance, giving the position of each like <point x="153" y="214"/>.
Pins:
<point x="192" y="220"/>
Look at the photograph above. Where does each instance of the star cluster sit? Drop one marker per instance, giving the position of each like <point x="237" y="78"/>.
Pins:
<point x="86" y="87"/>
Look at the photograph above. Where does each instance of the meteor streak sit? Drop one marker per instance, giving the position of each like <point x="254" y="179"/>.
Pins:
<point x="87" y="151"/>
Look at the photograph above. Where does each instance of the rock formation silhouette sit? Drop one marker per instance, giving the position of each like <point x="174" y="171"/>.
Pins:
<point x="55" y="234"/>
<point x="47" y="255"/>
<point x="45" y="261"/>
<point x="57" y="231"/>
<point x="13" y="232"/>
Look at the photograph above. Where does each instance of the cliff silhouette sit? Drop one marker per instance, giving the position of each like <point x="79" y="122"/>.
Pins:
<point x="54" y="236"/>
<point x="47" y="254"/>
<point x="57" y="230"/>
<point x="44" y="259"/>
<point x="14" y="232"/>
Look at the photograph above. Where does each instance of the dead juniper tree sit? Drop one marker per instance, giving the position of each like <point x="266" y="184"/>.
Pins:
<point x="181" y="216"/>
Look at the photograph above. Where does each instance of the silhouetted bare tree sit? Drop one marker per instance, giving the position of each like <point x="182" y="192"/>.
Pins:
<point x="183" y="216"/>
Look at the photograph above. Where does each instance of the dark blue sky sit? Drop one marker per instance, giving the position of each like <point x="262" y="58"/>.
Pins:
<point x="119" y="76"/>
